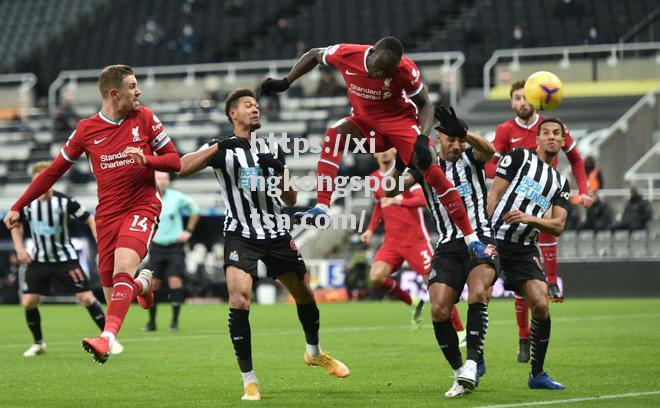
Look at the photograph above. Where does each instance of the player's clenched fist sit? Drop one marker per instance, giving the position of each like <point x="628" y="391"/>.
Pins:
<point x="11" y="219"/>
<point x="136" y="154"/>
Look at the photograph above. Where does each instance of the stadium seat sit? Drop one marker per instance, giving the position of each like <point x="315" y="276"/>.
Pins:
<point x="638" y="240"/>
<point x="620" y="244"/>
<point x="585" y="245"/>
<point x="568" y="244"/>
<point x="603" y="243"/>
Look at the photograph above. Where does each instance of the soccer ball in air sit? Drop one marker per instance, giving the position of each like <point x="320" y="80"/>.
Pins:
<point x="543" y="90"/>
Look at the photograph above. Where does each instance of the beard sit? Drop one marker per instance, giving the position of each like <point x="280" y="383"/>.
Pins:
<point x="255" y="126"/>
<point x="525" y="116"/>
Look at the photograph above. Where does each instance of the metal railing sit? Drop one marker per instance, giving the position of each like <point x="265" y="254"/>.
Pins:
<point x="451" y="62"/>
<point x="634" y="175"/>
<point x="563" y="52"/>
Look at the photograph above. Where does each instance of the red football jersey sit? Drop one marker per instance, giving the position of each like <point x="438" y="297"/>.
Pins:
<point x="514" y="133"/>
<point x="375" y="97"/>
<point x="122" y="183"/>
<point x="404" y="224"/>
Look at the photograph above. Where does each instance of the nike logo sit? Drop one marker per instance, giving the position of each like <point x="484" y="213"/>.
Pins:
<point x="351" y="73"/>
<point x="99" y="141"/>
<point x="517" y="140"/>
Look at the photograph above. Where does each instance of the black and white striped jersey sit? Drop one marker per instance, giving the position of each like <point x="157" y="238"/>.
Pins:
<point x="468" y="176"/>
<point x="49" y="227"/>
<point x="534" y="187"/>
<point x="250" y="211"/>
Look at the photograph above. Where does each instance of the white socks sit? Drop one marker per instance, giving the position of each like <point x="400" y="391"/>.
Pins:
<point x="471" y="238"/>
<point x="109" y="336"/>
<point x="249" y="377"/>
<point x="313" y="350"/>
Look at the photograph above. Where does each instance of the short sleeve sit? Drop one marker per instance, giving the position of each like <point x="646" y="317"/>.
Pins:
<point x="331" y="54"/>
<point x="76" y="210"/>
<point x="74" y="146"/>
<point x="411" y="77"/>
<point x="501" y="142"/>
<point x="510" y="164"/>
<point x="158" y="137"/>
<point x="561" y="197"/>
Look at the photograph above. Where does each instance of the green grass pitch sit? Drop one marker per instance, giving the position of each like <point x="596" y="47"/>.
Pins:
<point x="607" y="352"/>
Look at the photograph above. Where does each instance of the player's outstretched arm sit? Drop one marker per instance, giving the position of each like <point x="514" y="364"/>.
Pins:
<point x="42" y="183"/>
<point x="17" y="238"/>
<point x="426" y="114"/>
<point x="577" y="166"/>
<point x="553" y="222"/>
<point x="495" y="194"/>
<point x="305" y="64"/>
<point x="193" y="162"/>
<point x="483" y="149"/>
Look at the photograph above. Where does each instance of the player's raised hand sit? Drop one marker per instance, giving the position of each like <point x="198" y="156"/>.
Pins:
<point x="271" y="86"/>
<point x="136" y="154"/>
<point x="11" y="219"/>
<point x="450" y="124"/>
<point x="585" y="200"/>
<point x="365" y="238"/>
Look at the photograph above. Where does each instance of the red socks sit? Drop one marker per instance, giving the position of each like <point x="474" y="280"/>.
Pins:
<point x="391" y="288"/>
<point x="456" y="319"/>
<point x="449" y="198"/>
<point x="549" y="253"/>
<point x="124" y="291"/>
<point x="522" y="317"/>
<point x="328" y="165"/>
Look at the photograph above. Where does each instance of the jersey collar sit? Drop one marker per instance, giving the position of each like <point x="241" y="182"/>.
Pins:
<point x="366" y="54"/>
<point x="107" y="119"/>
<point x="523" y="125"/>
<point x="389" y="171"/>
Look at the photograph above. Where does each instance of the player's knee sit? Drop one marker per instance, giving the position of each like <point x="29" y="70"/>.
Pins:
<point x="29" y="302"/>
<point x="423" y="157"/>
<point x="175" y="282"/>
<point x="156" y="284"/>
<point x="440" y="312"/>
<point x="539" y="308"/>
<point x="85" y="298"/>
<point x="239" y="300"/>
<point x="478" y="294"/>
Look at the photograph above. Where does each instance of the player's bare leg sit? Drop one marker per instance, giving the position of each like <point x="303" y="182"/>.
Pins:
<point x="156" y="284"/>
<point x="308" y="314"/>
<point x="535" y="293"/>
<point x="30" y="302"/>
<point x="328" y="166"/>
<point x="124" y="290"/>
<point x="443" y="297"/>
<point x="177" y="297"/>
<point x="239" y="285"/>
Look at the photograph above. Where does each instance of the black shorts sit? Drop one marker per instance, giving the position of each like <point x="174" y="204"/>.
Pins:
<point x="520" y="263"/>
<point x="280" y="255"/>
<point x="452" y="264"/>
<point x="64" y="278"/>
<point x="167" y="260"/>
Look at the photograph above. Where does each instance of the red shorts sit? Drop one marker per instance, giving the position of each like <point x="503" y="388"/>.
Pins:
<point x="545" y="238"/>
<point x="418" y="256"/>
<point x="399" y="132"/>
<point x="133" y="230"/>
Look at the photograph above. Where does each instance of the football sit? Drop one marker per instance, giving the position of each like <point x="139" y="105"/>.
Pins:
<point x="543" y="90"/>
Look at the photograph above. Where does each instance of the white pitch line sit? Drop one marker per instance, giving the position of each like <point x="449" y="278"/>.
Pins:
<point x="285" y="332"/>
<point x="572" y="400"/>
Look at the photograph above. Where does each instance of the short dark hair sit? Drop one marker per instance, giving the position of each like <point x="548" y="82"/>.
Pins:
<point x="390" y="44"/>
<point x="112" y="77"/>
<point x="234" y="96"/>
<point x="515" y="86"/>
<point x="551" y="120"/>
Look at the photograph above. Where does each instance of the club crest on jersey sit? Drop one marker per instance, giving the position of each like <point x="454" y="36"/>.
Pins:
<point x="386" y="88"/>
<point x="136" y="134"/>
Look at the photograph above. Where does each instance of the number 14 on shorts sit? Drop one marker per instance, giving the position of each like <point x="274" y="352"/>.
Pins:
<point x="139" y="224"/>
